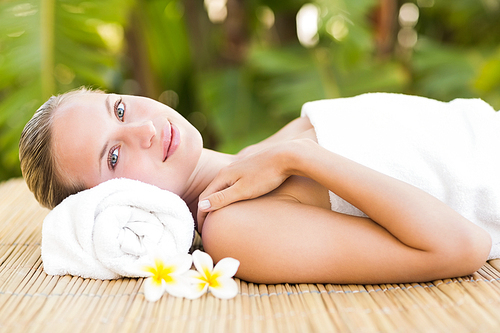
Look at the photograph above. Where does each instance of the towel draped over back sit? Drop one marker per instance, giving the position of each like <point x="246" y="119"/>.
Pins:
<point x="450" y="150"/>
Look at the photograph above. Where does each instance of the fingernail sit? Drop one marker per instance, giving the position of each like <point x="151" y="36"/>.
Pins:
<point x="204" y="204"/>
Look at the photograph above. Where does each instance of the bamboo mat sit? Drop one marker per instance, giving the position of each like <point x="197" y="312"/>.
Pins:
<point x="31" y="301"/>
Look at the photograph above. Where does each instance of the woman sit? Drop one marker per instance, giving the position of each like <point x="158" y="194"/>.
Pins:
<point x="267" y="206"/>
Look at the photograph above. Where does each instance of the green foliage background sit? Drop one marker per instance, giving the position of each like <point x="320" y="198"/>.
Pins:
<point x="237" y="81"/>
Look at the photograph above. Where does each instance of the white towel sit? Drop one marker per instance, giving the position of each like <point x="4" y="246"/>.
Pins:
<point x="110" y="230"/>
<point x="450" y="150"/>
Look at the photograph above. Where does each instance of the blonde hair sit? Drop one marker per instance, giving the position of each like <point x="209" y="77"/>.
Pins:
<point x="38" y="163"/>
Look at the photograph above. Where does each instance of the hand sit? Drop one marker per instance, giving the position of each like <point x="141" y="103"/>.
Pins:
<point x="252" y="176"/>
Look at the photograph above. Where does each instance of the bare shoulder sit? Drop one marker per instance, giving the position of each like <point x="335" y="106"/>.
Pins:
<point x="277" y="239"/>
<point x="261" y="227"/>
<point x="253" y="232"/>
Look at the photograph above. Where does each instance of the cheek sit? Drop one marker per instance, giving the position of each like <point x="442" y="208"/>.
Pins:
<point x="164" y="178"/>
<point x="138" y="170"/>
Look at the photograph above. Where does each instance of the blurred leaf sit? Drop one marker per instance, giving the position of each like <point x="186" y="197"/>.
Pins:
<point x="287" y="78"/>
<point x="51" y="46"/>
<point x="229" y="106"/>
<point x="489" y="74"/>
<point x="169" y="50"/>
<point x="442" y="71"/>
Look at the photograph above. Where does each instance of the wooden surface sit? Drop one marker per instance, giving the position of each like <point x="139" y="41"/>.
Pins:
<point x="31" y="301"/>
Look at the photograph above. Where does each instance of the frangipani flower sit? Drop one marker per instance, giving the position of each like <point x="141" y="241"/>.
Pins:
<point x="166" y="274"/>
<point x="217" y="279"/>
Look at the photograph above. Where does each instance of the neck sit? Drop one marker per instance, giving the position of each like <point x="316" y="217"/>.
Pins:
<point x="208" y="166"/>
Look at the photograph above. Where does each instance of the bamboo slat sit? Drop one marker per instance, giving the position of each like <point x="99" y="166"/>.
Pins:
<point x="31" y="301"/>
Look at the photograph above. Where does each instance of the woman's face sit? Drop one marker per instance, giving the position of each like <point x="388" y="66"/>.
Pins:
<point x="98" y="137"/>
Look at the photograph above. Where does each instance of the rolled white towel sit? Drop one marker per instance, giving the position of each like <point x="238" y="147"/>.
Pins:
<point x="110" y="230"/>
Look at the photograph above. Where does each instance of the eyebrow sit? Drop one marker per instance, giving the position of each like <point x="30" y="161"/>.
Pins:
<point x="105" y="148"/>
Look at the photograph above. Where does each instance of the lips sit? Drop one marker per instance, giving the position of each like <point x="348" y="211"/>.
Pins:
<point x="170" y="139"/>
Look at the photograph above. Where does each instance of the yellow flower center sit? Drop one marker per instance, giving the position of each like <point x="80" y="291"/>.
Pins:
<point x="211" y="278"/>
<point x="161" y="272"/>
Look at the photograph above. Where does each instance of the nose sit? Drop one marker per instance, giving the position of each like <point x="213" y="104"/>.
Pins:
<point x="141" y="133"/>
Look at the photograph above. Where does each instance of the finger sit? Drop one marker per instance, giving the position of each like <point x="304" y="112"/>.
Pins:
<point x="221" y="199"/>
<point x="212" y="202"/>
<point x="219" y="183"/>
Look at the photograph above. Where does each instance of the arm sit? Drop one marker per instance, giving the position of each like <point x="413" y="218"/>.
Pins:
<point x="411" y="235"/>
<point x="278" y="241"/>
<point x="404" y="210"/>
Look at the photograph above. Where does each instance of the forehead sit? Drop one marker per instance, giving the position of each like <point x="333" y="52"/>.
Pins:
<point x="78" y="124"/>
<point x="86" y="99"/>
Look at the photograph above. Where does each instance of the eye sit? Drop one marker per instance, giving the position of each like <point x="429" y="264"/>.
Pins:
<point x="120" y="109"/>
<point x="113" y="157"/>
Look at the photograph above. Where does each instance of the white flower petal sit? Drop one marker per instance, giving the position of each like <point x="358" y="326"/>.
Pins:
<point x="226" y="267"/>
<point x="178" y="289"/>
<point x="193" y="276"/>
<point x="196" y="290"/>
<point x="182" y="263"/>
<point x="197" y="284"/>
<point x="203" y="262"/>
<point x="227" y="288"/>
<point x="153" y="291"/>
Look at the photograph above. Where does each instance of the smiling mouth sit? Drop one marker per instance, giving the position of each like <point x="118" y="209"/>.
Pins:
<point x="166" y="140"/>
<point x="170" y="140"/>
